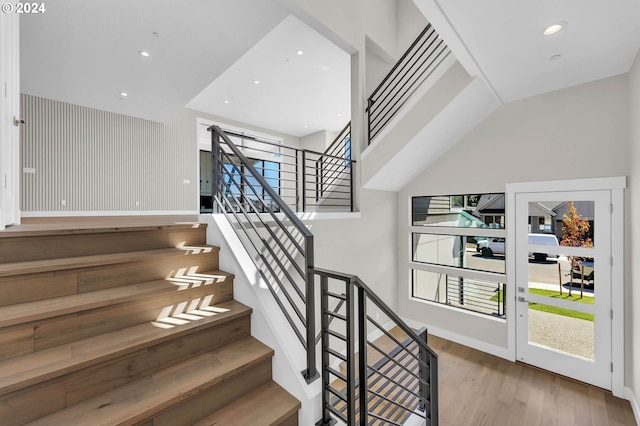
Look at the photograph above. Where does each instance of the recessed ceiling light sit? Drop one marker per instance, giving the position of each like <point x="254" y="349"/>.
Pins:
<point x="554" y="28"/>
<point x="226" y="102"/>
<point x="300" y="52"/>
<point x="123" y="94"/>
<point x="305" y="126"/>
<point x="256" y="81"/>
<point x="144" y="53"/>
<point x="339" y="115"/>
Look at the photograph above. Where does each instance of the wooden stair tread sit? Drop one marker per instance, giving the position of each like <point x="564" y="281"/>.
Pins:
<point x="74" y="226"/>
<point x="30" y="369"/>
<point x="152" y="394"/>
<point x="58" y="264"/>
<point x="269" y="404"/>
<point x="47" y="308"/>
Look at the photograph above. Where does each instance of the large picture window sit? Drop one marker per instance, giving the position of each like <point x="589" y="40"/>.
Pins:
<point x="246" y="188"/>
<point x="458" y="254"/>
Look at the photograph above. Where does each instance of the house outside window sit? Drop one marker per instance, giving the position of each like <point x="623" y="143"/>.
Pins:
<point x="447" y="264"/>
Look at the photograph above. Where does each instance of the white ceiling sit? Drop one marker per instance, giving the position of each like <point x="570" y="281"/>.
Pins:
<point x="504" y="40"/>
<point x="208" y="51"/>
<point x="296" y="94"/>
<point x="86" y="52"/>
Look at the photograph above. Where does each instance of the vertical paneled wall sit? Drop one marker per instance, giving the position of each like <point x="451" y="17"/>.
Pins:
<point x="98" y="161"/>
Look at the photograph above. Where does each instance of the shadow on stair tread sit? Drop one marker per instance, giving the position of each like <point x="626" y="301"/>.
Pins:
<point x="31" y="369"/>
<point x="47" y="308"/>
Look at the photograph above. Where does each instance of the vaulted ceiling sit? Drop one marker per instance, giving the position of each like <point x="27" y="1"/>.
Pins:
<point x="206" y="52"/>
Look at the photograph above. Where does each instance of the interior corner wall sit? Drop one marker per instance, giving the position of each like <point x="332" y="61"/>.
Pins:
<point x="578" y="132"/>
<point x="411" y="22"/>
<point x="632" y="296"/>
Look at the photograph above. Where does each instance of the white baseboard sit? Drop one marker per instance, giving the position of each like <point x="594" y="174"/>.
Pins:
<point x="463" y="340"/>
<point x="110" y="213"/>
<point x="628" y="395"/>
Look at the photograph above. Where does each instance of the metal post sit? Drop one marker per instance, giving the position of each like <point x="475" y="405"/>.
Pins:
<point x="215" y="173"/>
<point x="433" y="389"/>
<point x="369" y="105"/>
<point x="311" y="373"/>
<point x="362" y="359"/>
<point x="422" y="372"/>
<point x="351" y="179"/>
<point x="324" y="324"/>
<point x="318" y="183"/>
<point x="304" y="181"/>
<point x="351" y="350"/>
<point x="297" y="183"/>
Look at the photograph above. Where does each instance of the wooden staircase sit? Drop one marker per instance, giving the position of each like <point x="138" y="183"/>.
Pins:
<point x="133" y="325"/>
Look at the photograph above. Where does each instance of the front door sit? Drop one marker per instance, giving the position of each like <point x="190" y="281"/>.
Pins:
<point x="9" y="109"/>
<point x="563" y="283"/>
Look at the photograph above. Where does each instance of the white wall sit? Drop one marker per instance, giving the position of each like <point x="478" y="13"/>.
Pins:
<point x="362" y="244"/>
<point x="411" y="22"/>
<point x="632" y="295"/>
<point x="579" y="132"/>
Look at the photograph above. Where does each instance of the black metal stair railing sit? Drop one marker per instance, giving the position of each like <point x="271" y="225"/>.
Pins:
<point x="363" y="384"/>
<point x="402" y="382"/>
<point x="411" y="70"/>
<point x="280" y="244"/>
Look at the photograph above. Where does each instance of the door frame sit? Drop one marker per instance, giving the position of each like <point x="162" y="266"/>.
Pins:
<point x="614" y="184"/>
<point x="9" y="111"/>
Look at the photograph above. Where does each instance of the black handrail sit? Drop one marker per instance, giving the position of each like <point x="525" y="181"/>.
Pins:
<point x="311" y="179"/>
<point x="406" y="76"/>
<point x="311" y="372"/>
<point x="357" y="391"/>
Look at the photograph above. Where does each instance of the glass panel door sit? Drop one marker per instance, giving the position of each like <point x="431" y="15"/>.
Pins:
<point x="563" y="283"/>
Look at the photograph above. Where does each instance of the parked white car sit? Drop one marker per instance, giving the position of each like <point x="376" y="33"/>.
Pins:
<point x="492" y="246"/>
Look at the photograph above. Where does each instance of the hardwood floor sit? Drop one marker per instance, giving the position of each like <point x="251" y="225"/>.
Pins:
<point x="480" y="389"/>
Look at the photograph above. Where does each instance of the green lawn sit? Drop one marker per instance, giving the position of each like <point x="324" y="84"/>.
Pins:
<point x="575" y="297"/>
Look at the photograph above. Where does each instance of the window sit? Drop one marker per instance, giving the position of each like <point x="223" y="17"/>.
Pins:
<point x="459" y="250"/>
<point x="245" y="188"/>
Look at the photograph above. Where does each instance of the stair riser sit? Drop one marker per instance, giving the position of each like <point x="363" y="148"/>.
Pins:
<point x="26" y="405"/>
<point x="27" y="288"/>
<point x="202" y="404"/>
<point x="48" y="333"/>
<point x="18" y="249"/>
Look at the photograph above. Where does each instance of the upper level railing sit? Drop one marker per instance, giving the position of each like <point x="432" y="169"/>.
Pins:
<point x="389" y="387"/>
<point x="413" y="68"/>
<point x="336" y="178"/>
<point x="370" y="374"/>
<point x="305" y="180"/>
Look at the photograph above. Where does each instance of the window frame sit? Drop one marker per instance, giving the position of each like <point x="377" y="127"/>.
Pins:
<point x="471" y="274"/>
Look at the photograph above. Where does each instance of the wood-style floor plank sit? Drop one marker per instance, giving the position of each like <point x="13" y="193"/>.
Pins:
<point x="480" y="389"/>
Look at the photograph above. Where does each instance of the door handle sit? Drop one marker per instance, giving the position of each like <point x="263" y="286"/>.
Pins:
<point x="17" y="122"/>
<point x="522" y="299"/>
